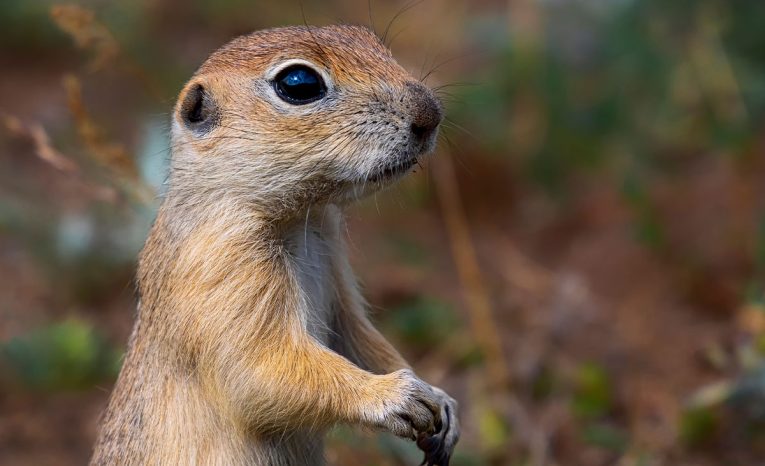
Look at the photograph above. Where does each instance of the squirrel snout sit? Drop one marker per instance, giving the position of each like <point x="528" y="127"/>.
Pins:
<point x="425" y="108"/>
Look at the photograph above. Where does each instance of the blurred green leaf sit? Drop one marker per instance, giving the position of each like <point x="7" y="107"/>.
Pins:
<point x="648" y="229"/>
<point x="698" y="425"/>
<point x="543" y="384"/>
<point x="470" y="356"/>
<point x="592" y="392"/>
<point x="494" y="431"/>
<point x="424" y="322"/>
<point x="63" y="356"/>
<point x="25" y="24"/>
<point x="606" y="436"/>
<point x="408" y="250"/>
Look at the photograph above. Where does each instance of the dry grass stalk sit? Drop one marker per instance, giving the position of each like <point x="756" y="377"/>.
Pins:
<point x="39" y="138"/>
<point x="482" y="321"/>
<point x="111" y="155"/>
<point x="81" y="24"/>
<point x="91" y="35"/>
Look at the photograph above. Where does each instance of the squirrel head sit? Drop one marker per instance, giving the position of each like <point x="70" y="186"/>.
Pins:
<point x="289" y="117"/>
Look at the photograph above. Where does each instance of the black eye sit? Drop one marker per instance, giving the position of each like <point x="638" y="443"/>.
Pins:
<point x="299" y="85"/>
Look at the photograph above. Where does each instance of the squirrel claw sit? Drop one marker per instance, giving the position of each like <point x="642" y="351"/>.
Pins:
<point x="434" y="449"/>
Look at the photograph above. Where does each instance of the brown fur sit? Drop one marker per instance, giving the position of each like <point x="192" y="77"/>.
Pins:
<point x="251" y="337"/>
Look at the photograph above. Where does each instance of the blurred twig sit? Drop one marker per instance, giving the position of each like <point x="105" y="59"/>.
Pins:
<point x="43" y="148"/>
<point x="108" y="154"/>
<point x="111" y="156"/>
<point x="39" y="138"/>
<point x="90" y="34"/>
<point x="482" y="321"/>
<point x="81" y="24"/>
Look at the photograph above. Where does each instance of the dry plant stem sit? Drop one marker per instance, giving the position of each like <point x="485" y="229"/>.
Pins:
<point x="482" y="321"/>
<point x="39" y="138"/>
<point x="91" y="35"/>
<point x="43" y="148"/>
<point x="112" y="156"/>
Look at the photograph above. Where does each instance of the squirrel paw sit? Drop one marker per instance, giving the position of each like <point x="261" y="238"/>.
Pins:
<point x="414" y="409"/>
<point x="438" y="447"/>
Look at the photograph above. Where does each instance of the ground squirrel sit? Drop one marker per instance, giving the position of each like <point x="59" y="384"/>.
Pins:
<point x="251" y="337"/>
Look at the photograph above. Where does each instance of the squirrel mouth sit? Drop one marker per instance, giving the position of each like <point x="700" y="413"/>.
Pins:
<point x="393" y="170"/>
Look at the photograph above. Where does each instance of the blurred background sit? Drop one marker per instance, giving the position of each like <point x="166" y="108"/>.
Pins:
<point x="582" y="264"/>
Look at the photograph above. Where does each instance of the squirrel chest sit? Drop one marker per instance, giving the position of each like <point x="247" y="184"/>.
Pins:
<point x="311" y="258"/>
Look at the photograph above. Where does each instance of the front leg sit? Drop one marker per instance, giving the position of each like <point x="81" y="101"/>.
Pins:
<point x="302" y="385"/>
<point x="358" y="340"/>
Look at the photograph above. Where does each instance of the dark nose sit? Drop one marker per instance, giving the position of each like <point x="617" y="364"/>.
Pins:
<point x="425" y="110"/>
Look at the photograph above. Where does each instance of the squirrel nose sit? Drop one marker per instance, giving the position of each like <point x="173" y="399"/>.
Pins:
<point x="425" y="109"/>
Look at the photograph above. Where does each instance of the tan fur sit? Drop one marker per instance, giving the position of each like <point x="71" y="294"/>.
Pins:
<point x="251" y="338"/>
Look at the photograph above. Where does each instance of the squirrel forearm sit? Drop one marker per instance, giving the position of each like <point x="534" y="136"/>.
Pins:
<point x="303" y="385"/>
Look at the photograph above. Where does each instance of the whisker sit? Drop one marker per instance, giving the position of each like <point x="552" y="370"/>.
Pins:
<point x="445" y="62"/>
<point x="403" y="10"/>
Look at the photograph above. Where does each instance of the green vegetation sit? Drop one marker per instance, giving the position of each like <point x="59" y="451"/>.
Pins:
<point x="66" y="356"/>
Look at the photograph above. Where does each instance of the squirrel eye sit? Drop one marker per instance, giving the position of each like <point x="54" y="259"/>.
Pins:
<point x="299" y="85"/>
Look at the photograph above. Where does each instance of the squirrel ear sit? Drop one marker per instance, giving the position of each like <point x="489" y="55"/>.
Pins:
<point x="198" y="110"/>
